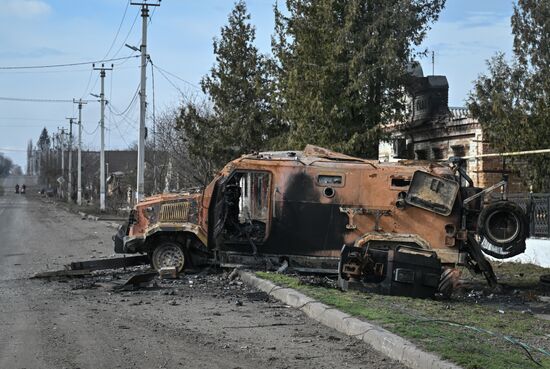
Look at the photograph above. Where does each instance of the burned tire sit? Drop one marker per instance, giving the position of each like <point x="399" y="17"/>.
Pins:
<point x="448" y="282"/>
<point x="168" y="254"/>
<point x="503" y="229"/>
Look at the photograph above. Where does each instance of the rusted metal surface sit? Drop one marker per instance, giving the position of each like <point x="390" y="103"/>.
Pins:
<point x="432" y="193"/>
<point x="174" y="212"/>
<point x="302" y="196"/>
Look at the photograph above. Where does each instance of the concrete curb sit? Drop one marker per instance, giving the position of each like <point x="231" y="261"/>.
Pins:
<point x="112" y="225"/>
<point x="83" y="215"/>
<point x="391" y="345"/>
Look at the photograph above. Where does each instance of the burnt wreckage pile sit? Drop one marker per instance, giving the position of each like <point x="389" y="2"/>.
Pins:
<point x="402" y="227"/>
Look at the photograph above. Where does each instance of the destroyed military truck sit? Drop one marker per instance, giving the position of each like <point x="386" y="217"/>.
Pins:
<point x="402" y="226"/>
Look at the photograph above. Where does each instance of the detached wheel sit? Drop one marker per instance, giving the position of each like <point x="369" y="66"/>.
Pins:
<point x="503" y="228"/>
<point x="168" y="254"/>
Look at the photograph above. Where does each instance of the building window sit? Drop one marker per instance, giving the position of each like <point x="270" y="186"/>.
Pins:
<point x="420" y="104"/>
<point x="421" y="154"/>
<point x="437" y="153"/>
<point x="458" y="150"/>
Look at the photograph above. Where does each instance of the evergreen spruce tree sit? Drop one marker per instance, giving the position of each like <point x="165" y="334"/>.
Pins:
<point x="44" y="140"/>
<point x="238" y="89"/>
<point x="341" y="66"/>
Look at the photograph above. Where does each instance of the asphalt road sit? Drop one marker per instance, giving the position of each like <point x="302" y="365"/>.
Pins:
<point x="199" y="321"/>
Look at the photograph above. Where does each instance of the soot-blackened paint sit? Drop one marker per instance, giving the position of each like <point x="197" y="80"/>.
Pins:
<point x="302" y="225"/>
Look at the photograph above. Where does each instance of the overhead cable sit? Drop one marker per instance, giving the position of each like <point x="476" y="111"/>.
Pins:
<point x="66" y="65"/>
<point x="114" y="111"/>
<point x="34" y="100"/>
<point x="118" y="30"/>
<point x="128" y="34"/>
<point x="175" y="76"/>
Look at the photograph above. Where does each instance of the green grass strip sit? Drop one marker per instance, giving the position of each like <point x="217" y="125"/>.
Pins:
<point x="470" y="335"/>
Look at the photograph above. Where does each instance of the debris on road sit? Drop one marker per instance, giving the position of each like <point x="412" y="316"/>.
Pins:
<point x="84" y="268"/>
<point x="62" y="273"/>
<point x="113" y="263"/>
<point x="168" y="273"/>
<point x="140" y="279"/>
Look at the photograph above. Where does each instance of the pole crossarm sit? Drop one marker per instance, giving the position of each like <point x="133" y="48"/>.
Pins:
<point x="145" y="3"/>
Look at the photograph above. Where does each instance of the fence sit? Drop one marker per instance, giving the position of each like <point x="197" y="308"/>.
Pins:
<point x="537" y="208"/>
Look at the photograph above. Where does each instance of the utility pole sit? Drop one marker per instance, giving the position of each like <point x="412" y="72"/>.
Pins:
<point x="79" y="171"/>
<point x="70" y="182"/>
<point x="61" y="140"/>
<point x="140" y="189"/>
<point x="102" y="70"/>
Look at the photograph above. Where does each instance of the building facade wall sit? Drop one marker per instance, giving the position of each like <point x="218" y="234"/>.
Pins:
<point x="459" y="135"/>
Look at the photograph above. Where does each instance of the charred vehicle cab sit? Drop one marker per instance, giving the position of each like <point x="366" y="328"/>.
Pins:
<point x="402" y="227"/>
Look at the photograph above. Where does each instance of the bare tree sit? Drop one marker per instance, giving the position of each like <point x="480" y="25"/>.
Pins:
<point x="176" y="167"/>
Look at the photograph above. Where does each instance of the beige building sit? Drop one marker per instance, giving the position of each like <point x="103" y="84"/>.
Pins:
<point x="434" y="131"/>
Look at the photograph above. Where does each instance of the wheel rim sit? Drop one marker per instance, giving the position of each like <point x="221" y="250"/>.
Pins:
<point x="169" y="255"/>
<point x="503" y="226"/>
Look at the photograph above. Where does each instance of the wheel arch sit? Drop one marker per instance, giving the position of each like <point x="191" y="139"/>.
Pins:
<point x="191" y="242"/>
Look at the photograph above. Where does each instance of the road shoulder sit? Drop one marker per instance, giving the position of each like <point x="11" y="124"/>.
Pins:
<point x="394" y="346"/>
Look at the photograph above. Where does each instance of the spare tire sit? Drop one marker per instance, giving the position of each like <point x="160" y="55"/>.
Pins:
<point x="503" y="227"/>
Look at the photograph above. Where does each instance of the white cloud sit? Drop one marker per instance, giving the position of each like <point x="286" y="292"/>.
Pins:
<point x="24" y="8"/>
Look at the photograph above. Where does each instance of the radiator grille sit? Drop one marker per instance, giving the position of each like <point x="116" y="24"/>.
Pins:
<point x="174" y="212"/>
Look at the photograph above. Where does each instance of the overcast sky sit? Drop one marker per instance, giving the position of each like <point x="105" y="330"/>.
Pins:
<point x="46" y="32"/>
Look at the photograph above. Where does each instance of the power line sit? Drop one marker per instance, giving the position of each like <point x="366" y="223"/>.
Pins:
<point x="128" y="34"/>
<point x="90" y="133"/>
<point x="29" y="119"/>
<point x="59" y="71"/>
<point x="11" y="72"/>
<point x="66" y="65"/>
<point x="113" y="110"/>
<point x="118" y="130"/>
<point x="93" y="87"/>
<point x="14" y="150"/>
<point x="118" y="30"/>
<point x="175" y="76"/>
<point x="149" y="22"/>
<point x="123" y="118"/>
<point x="169" y="80"/>
<point x="152" y="14"/>
<point x="88" y="84"/>
<point x="34" y="100"/>
<point x="153" y="88"/>
<point x="21" y="125"/>
<point x="86" y="90"/>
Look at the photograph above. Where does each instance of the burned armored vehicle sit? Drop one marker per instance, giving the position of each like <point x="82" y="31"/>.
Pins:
<point x="400" y="226"/>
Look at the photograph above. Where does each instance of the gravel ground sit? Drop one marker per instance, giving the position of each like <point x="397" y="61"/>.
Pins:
<point x="203" y="320"/>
